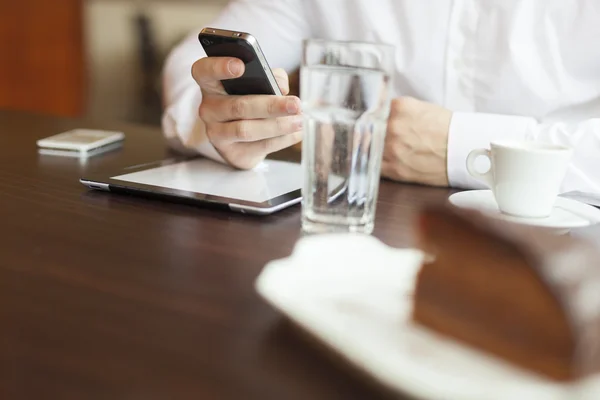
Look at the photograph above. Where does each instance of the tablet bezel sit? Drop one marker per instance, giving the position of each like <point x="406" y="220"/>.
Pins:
<point x="104" y="181"/>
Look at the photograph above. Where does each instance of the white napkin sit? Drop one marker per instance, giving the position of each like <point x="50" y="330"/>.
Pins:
<point x="346" y="264"/>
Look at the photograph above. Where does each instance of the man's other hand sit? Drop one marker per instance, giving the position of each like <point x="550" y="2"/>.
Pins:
<point x="416" y="143"/>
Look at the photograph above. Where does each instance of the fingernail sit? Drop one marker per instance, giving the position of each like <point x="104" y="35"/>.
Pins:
<point x="297" y="123"/>
<point x="292" y="106"/>
<point x="234" y="67"/>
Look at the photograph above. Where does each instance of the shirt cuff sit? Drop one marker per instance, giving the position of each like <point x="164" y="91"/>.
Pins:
<point x="182" y="126"/>
<point x="470" y="131"/>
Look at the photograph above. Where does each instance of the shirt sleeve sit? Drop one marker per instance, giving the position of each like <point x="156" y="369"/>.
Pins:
<point x="469" y="131"/>
<point x="279" y="26"/>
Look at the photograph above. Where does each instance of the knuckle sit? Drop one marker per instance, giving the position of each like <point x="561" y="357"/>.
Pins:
<point x="273" y="105"/>
<point x="239" y="107"/>
<point x="216" y="66"/>
<point x="242" y="130"/>
<point x="266" y="146"/>
<point x="204" y="110"/>
<point x="211" y="133"/>
<point x="401" y="104"/>
<point x="398" y="104"/>
<point x="282" y="125"/>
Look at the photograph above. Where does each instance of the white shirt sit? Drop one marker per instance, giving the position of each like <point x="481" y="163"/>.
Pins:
<point x="509" y="69"/>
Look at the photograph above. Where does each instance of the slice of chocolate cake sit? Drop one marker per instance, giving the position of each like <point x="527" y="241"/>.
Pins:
<point x="525" y="295"/>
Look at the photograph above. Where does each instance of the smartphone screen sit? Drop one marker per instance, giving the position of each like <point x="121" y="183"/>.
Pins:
<point x="255" y="79"/>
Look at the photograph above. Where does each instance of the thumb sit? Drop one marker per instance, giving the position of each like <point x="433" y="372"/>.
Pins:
<point x="209" y="71"/>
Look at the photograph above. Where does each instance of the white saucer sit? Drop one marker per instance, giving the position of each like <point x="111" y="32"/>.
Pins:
<point x="567" y="213"/>
<point x="354" y="294"/>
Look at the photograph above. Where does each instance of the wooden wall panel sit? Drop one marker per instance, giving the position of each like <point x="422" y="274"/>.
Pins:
<point x="42" y="59"/>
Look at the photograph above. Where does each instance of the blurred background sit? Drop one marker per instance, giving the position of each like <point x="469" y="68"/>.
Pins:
<point x="92" y="58"/>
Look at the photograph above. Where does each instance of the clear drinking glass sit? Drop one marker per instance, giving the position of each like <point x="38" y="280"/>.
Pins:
<point x="345" y="88"/>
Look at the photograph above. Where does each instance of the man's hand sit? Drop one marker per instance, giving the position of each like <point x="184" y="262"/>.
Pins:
<point x="416" y="143"/>
<point x="244" y="129"/>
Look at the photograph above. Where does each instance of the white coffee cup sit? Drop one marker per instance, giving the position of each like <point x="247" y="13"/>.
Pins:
<point x="524" y="176"/>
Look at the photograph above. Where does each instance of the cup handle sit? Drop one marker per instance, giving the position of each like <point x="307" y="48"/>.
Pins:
<point x="487" y="176"/>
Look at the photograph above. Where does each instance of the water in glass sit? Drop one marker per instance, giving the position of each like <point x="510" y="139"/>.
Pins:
<point x="346" y="110"/>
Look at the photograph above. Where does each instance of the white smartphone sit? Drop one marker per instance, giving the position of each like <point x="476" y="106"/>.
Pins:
<point x="258" y="77"/>
<point x="81" y="142"/>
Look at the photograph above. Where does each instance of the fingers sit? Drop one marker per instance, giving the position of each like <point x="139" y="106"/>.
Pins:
<point x="272" y="145"/>
<point x="209" y="71"/>
<point x="253" y="130"/>
<point x="248" y="155"/>
<point x="244" y="129"/>
<point x="282" y="80"/>
<point x="232" y="108"/>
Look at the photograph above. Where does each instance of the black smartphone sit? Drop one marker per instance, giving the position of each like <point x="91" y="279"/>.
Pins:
<point x="258" y="77"/>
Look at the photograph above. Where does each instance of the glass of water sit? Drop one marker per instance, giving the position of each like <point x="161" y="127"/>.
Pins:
<point x="345" y="88"/>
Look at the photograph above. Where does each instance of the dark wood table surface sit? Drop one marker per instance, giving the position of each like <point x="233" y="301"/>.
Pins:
<point x="106" y="296"/>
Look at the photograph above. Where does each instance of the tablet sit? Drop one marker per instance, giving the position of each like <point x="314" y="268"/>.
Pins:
<point x="271" y="186"/>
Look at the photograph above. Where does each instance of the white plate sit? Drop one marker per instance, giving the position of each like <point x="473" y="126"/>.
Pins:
<point x="353" y="293"/>
<point x="567" y="213"/>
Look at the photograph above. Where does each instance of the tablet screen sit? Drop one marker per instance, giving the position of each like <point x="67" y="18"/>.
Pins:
<point x="268" y="180"/>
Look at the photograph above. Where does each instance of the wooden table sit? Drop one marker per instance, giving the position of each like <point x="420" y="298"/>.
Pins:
<point x="106" y="296"/>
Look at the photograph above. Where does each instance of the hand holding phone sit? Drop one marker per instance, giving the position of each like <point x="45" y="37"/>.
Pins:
<point x="245" y="110"/>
